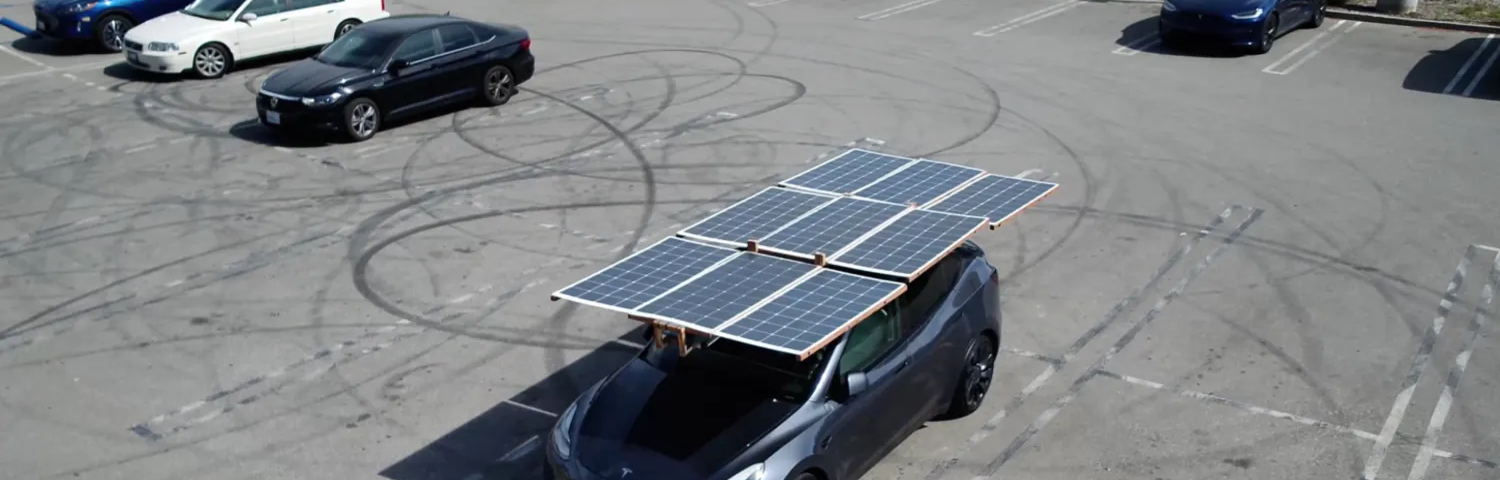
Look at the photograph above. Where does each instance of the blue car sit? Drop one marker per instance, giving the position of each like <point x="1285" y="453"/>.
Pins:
<point x="791" y="363"/>
<point x="1242" y="23"/>
<point x="100" y="22"/>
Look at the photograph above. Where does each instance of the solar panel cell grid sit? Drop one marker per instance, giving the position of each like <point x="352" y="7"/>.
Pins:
<point x="644" y="275"/>
<point x="814" y="310"/>
<point x="906" y="246"/>
<point x="994" y="197"/>
<point x="832" y="227"/>
<point x="757" y="216"/>
<point x="725" y="292"/>
<point x="848" y="172"/>
<point x="920" y="183"/>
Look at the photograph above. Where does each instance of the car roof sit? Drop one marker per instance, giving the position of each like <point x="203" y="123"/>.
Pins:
<point x="403" y="24"/>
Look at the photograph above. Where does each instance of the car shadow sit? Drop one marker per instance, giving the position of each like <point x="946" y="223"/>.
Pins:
<point x="1451" y="72"/>
<point x="252" y="131"/>
<point x="123" y="71"/>
<point x="1143" y="36"/>
<point x="57" y="48"/>
<point x="507" y="440"/>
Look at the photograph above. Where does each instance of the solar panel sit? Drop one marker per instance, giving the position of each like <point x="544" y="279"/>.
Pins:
<point x="642" y="276"/>
<point x="831" y="228"/>
<point x="920" y="183"/>
<point x="848" y="172"/>
<point x="813" y="312"/>
<point x="909" y="245"/>
<point x="995" y="197"/>
<point x="756" y="216"/>
<point x="723" y="293"/>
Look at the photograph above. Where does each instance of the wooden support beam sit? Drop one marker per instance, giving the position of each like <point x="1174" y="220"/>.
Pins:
<point x="752" y="246"/>
<point x="820" y="259"/>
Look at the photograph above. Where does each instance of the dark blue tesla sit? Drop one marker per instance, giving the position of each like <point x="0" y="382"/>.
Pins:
<point x="1242" y="23"/>
<point x="732" y="411"/>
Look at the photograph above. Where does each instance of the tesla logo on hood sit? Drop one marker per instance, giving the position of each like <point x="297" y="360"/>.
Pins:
<point x="273" y="102"/>
<point x="625" y="472"/>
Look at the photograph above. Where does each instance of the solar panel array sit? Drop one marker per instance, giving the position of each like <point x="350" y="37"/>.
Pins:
<point x="863" y="211"/>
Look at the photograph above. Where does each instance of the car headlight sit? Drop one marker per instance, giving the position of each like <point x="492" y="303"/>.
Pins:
<point x="1250" y="14"/>
<point x="161" y="47"/>
<point x="78" y="7"/>
<point x="561" y="439"/>
<point x="755" y="472"/>
<point x="1168" y="6"/>
<point x="323" y="100"/>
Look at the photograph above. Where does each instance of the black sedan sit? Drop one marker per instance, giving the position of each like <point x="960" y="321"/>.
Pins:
<point x="396" y="67"/>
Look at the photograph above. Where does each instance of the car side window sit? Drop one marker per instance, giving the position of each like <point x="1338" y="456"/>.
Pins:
<point x="454" y="37"/>
<point x="871" y="340"/>
<point x="263" y="8"/>
<point x="925" y="294"/>
<point x="417" y="47"/>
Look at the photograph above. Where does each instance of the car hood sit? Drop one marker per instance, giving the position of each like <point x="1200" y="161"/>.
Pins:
<point x="50" y="5"/>
<point x="172" y="27"/>
<point x="311" y="77"/>
<point x="663" y="427"/>
<point x="1220" y="7"/>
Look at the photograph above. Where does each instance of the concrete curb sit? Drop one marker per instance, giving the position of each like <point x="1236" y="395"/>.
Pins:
<point x="1335" y="12"/>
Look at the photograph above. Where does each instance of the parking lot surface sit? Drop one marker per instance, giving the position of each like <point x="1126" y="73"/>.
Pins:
<point x="1256" y="267"/>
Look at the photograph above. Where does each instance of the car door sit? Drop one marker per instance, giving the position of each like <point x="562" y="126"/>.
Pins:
<point x="311" y="20"/>
<point x="461" y="62"/>
<point x="937" y="335"/>
<point x="271" y="31"/>
<point x="868" y="425"/>
<point x="417" y="84"/>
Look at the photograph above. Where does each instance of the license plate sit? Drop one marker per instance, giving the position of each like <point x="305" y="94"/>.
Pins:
<point x="132" y="56"/>
<point x="273" y="118"/>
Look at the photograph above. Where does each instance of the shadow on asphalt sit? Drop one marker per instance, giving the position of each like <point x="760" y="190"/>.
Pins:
<point x="1142" y="35"/>
<point x="57" y="48"/>
<point x="1444" y="72"/>
<point x="252" y="131"/>
<point x="507" y="441"/>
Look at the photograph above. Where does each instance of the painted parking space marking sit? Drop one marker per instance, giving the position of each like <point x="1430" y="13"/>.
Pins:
<point x="1484" y="68"/>
<point x="1029" y="18"/>
<point x="1139" y="45"/>
<point x="896" y="10"/>
<point x="1311" y="48"/>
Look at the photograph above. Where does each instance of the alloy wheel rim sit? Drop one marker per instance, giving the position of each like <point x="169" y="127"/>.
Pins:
<point x="346" y="29"/>
<point x="980" y="373"/>
<point x="114" y="34"/>
<point x="499" y="85"/>
<point x="209" y="61"/>
<point x="363" y="120"/>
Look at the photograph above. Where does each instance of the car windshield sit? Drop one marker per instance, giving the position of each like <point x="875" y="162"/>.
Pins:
<point x="357" y="49"/>
<point x="213" y="9"/>
<point x="778" y="375"/>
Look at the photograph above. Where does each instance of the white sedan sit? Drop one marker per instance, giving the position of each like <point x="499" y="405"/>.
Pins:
<point x="207" y="37"/>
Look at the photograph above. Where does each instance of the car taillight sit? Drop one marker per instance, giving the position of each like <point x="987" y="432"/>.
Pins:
<point x="995" y="276"/>
<point x="526" y="44"/>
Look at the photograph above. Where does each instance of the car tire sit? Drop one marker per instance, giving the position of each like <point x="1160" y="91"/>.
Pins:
<point x="497" y="86"/>
<point x="211" y="61"/>
<point x="974" y="383"/>
<point x="344" y="28"/>
<point x="1318" y="15"/>
<point x="361" y="119"/>
<point x="1267" y="38"/>
<point x="109" y="33"/>
<point x="807" y="476"/>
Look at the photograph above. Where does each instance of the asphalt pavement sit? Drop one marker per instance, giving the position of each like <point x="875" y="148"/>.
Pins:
<point x="1256" y="266"/>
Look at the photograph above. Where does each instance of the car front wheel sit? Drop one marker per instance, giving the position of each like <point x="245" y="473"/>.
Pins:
<point x="210" y="61"/>
<point x="361" y="119"/>
<point x="110" y="32"/>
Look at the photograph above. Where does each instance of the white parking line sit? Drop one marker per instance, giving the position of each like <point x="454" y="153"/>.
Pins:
<point x="1470" y="63"/>
<point x="1489" y="62"/>
<point x="767" y="3"/>
<point x="1334" y="30"/>
<point x="1139" y="45"/>
<point x="1029" y="18"/>
<point x="24" y="57"/>
<point x="897" y="10"/>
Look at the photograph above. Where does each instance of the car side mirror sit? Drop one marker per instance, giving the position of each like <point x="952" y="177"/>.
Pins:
<point x="398" y="65"/>
<point x="856" y="383"/>
<point x="248" y="17"/>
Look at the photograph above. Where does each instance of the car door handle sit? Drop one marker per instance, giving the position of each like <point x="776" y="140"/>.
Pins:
<point x="901" y="366"/>
<point x="825" y="441"/>
<point x="283" y="20"/>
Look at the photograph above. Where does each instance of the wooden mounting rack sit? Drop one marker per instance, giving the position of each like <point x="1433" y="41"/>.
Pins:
<point x="659" y="335"/>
